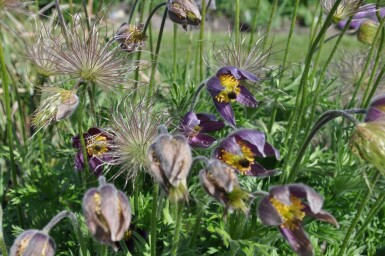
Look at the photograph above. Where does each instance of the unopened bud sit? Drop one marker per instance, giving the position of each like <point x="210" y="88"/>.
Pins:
<point x="170" y="158"/>
<point x="107" y="212"/>
<point x="184" y="12"/>
<point x="367" y="31"/>
<point x="33" y="243"/>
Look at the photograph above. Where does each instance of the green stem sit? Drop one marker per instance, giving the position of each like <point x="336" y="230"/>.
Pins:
<point x="196" y="229"/>
<point x="357" y="217"/>
<point x="7" y="102"/>
<point x="237" y="22"/>
<point x="62" y="23"/>
<point x="174" y="53"/>
<point x="195" y="97"/>
<point x="3" y="246"/>
<point x="155" y="63"/>
<point x="84" y="4"/>
<point x="375" y="86"/>
<point x="201" y="41"/>
<point x="41" y="149"/>
<point x="378" y="204"/>
<point x="154" y="218"/>
<point x="82" y="141"/>
<point x="324" y="119"/>
<point x="254" y="26"/>
<point x="175" y="242"/>
<point x="132" y="11"/>
<point x="270" y="22"/>
<point x="148" y="21"/>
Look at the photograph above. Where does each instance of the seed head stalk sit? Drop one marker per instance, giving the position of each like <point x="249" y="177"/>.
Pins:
<point x="174" y="52"/>
<point x="179" y="208"/>
<point x="254" y="26"/>
<point x="155" y="193"/>
<point x="302" y="89"/>
<point x="7" y="101"/>
<point x="237" y="22"/>
<point x="201" y="41"/>
<point x="272" y="14"/>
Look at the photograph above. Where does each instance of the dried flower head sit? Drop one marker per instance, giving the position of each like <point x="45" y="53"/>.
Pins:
<point x="170" y="158"/>
<point x="284" y="207"/>
<point x="107" y="212"/>
<point x="135" y="129"/>
<point x="184" y="12"/>
<point x="33" y="243"/>
<point x="88" y="58"/>
<point x="57" y="104"/>
<point x="220" y="181"/>
<point x="131" y="37"/>
<point x="345" y="9"/>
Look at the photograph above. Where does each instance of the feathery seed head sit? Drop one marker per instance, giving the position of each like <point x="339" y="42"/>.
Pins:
<point x="345" y="9"/>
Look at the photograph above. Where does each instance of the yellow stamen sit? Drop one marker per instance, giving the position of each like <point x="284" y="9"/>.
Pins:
<point x="289" y="213"/>
<point x="231" y="88"/>
<point x="240" y="162"/>
<point x="97" y="145"/>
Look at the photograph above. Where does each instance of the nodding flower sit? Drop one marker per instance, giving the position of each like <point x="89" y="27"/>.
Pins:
<point x="240" y="150"/>
<point x="226" y="87"/>
<point x="195" y="126"/>
<point x="98" y="143"/>
<point x="284" y="207"/>
<point x="33" y="242"/>
<point x="131" y="37"/>
<point x="184" y="12"/>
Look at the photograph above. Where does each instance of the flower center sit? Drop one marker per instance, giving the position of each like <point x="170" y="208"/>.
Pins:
<point x="97" y="145"/>
<point x="231" y="88"/>
<point x="289" y="213"/>
<point x="242" y="162"/>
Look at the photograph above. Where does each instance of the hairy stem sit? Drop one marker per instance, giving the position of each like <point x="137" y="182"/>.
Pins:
<point x="154" y="218"/>
<point x="175" y="242"/>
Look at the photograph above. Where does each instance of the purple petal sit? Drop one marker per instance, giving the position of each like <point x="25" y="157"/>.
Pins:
<point x="96" y="165"/>
<point x="76" y="143"/>
<point x="314" y="199"/>
<point x="247" y="75"/>
<point x="246" y="98"/>
<point x="214" y="86"/>
<point x="237" y="73"/>
<point x="374" y="114"/>
<point x="378" y="101"/>
<point x="79" y="161"/>
<point x="228" y="144"/>
<point x="321" y="215"/>
<point x="226" y="111"/>
<point x="209" y="123"/>
<point x="269" y="150"/>
<point x="190" y="120"/>
<point x="298" y="240"/>
<point x="281" y="193"/>
<point x="259" y="171"/>
<point x="268" y="214"/>
<point x="201" y="141"/>
<point x="255" y="139"/>
<point x="95" y="131"/>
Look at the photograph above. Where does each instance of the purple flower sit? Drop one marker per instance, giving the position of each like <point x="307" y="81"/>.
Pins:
<point x="240" y="149"/>
<point x="225" y="87"/>
<point x="368" y="12"/>
<point x="194" y="126"/>
<point x="376" y="111"/>
<point x="283" y="207"/>
<point x="98" y="143"/>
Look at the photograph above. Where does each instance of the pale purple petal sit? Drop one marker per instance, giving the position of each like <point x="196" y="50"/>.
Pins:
<point x="268" y="214"/>
<point x="314" y="199"/>
<point x="321" y="215"/>
<point x="258" y="170"/>
<point x="246" y="98"/>
<point x="201" y="141"/>
<point x="256" y="140"/>
<point x="298" y="240"/>
<point x="190" y="120"/>
<point x="226" y="111"/>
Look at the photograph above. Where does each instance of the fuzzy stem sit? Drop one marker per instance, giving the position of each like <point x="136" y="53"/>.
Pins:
<point x="152" y="14"/>
<point x="175" y="242"/>
<point x="324" y="119"/>
<point x="302" y="88"/>
<point x="200" y="159"/>
<point x="132" y="11"/>
<point x="254" y="26"/>
<point x="358" y="215"/>
<point x="237" y="27"/>
<point x="174" y="56"/>
<point x="373" y="212"/>
<point x="195" y="97"/>
<point x="55" y="220"/>
<point x="3" y="246"/>
<point x="272" y="14"/>
<point x="201" y="41"/>
<point x="62" y="23"/>
<point x="82" y="140"/>
<point x="162" y="129"/>
<point x="196" y="229"/>
<point x="154" y="218"/>
<point x="7" y="103"/>
<point x="155" y="62"/>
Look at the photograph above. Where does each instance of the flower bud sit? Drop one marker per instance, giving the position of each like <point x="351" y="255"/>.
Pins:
<point x="221" y="182"/>
<point x="368" y="141"/>
<point x="184" y="12"/>
<point x="33" y="243"/>
<point x="376" y="111"/>
<point x="107" y="212"/>
<point x="367" y="31"/>
<point x="170" y="158"/>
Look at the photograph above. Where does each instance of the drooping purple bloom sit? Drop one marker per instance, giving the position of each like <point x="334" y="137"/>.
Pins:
<point x="240" y="149"/>
<point x="225" y="87"/>
<point x="284" y="207"/>
<point x="195" y="126"/>
<point x="369" y="12"/>
<point x="98" y="143"/>
<point x="376" y="111"/>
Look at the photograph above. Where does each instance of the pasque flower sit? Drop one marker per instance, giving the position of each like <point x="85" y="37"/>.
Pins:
<point x="170" y="158"/>
<point x="194" y="126"/>
<point x="220" y="181"/>
<point x="284" y="207"/>
<point x="131" y="37"/>
<point x="345" y="9"/>
<point x="368" y="138"/>
<point x="107" y="212"/>
<point x="240" y="149"/>
<point x="367" y="31"/>
<point x="33" y="242"/>
<point x="184" y="12"/>
<point x="369" y="12"/>
<point x="98" y="144"/>
<point x="225" y="87"/>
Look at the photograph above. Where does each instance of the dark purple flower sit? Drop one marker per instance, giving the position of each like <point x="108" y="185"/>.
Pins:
<point x="240" y="149"/>
<point x="98" y="143"/>
<point x="368" y="12"/>
<point x="283" y="207"/>
<point x="376" y="110"/>
<point x="225" y="87"/>
<point x="194" y="126"/>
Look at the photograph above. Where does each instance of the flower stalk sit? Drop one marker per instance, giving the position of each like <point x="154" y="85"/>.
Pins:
<point x="155" y="193"/>
<point x="179" y="209"/>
